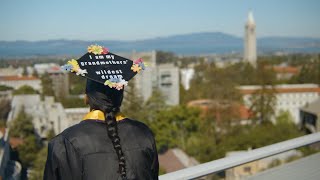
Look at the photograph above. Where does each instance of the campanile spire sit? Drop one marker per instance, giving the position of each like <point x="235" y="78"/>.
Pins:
<point x="250" y="46"/>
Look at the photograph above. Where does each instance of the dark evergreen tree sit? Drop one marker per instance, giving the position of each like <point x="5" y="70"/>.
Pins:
<point x="50" y="134"/>
<point x="133" y="105"/>
<point x="37" y="170"/>
<point x="25" y="90"/>
<point x="35" y="73"/>
<point x="22" y="125"/>
<point x="46" y="83"/>
<point x="22" y="128"/>
<point x="263" y="100"/>
<point x="25" y="71"/>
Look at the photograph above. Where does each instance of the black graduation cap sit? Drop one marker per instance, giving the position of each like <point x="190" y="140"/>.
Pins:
<point x="102" y="66"/>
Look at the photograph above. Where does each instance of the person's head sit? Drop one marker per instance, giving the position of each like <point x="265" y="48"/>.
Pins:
<point x="108" y="100"/>
<point x="101" y="97"/>
<point x="106" y="74"/>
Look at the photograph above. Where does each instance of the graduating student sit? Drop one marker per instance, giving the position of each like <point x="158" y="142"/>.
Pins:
<point x="105" y="144"/>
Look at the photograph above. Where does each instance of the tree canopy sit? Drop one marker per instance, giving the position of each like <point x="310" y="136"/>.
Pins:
<point x="22" y="128"/>
<point x="25" y="90"/>
<point x="46" y="83"/>
<point x="5" y="88"/>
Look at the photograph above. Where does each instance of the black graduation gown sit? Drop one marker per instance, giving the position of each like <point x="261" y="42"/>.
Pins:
<point x="85" y="152"/>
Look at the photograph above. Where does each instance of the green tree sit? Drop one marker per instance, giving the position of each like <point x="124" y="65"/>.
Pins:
<point x="50" y="134"/>
<point x="77" y="84"/>
<point x="245" y="137"/>
<point x="263" y="102"/>
<point x="28" y="150"/>
<point x="202" y="147"/>
<point x="202" y="144"/>
<point x="46" y="83"/>
<point x="25" y="71"/>
<point x="183" y="95"/>
<point x="35" y="73"/>
<point x="22" y="125"/>
<point x="5" y="88"/>
<point x="264" y="99"/>
<point x="165" y="57"/>
<point x="285" y="123"/>
<point x="25" y="90"/>
<point x="39" y="164"/>
<point x="242" y="73"/>
<point x="133" y="106"/>
<point x="5" y="109"/>
<point x="211" y="82"/>
<point x="153" y="106"/>
<point x="175" y="125"/>
<point x="309" y="73"/>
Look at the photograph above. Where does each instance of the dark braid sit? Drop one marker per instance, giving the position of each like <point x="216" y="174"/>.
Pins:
<point x="108" y="100"/>
<point x="112" y="129"/>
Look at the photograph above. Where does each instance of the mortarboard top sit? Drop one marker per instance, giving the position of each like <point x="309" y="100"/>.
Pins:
<point x="102" y="66"/>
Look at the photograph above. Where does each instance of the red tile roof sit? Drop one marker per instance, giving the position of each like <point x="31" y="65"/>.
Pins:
<point x="55" y="68"/>
<point x="18" y="78"/>
<point x="169" y="162"/>
<point x="286" y="69"/>
<point x="15" y="142"/>
<point x="244" y="112"/>
<point x="206" y="105"/>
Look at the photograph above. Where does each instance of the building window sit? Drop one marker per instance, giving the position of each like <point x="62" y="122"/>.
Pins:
<point x="247" y="169"/>
<point x="166" y="84"/>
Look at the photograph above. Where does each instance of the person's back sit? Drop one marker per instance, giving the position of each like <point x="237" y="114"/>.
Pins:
<point x="84" y="151"/>
<point x="105" y="145"/>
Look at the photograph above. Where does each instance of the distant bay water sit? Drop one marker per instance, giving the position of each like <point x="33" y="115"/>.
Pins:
<point x="187" y="44"/>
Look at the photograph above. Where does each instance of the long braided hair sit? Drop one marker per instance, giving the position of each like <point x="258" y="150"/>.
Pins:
<point x="108" y="100"/>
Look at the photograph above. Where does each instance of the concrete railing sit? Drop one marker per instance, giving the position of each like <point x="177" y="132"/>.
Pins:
<point x="229" y="162"/>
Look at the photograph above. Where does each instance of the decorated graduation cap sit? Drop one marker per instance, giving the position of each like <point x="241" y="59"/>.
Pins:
<point x="104" y="67"/>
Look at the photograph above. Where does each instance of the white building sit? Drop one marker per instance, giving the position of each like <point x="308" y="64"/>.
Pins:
<point x="186" y="77"/>
<point x="164" y="77"/>
<point x="75" y="115"/>
<point x="10" y="71"/>
<point x="60" y="81"/>
<point x="289" y="97"/>
<point x="310" y="117"/>
<point x="250" y="46"/>
<point x="44" y="67"/>
<point x="168" y="82"/>
<point x="46" y="114"/>
<point x="17" y="81"/>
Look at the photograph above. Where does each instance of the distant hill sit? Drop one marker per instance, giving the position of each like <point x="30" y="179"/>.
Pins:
<point x="188" y="44"/>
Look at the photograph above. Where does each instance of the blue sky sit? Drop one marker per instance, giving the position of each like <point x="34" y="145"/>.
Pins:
<point x="131" y="20"/>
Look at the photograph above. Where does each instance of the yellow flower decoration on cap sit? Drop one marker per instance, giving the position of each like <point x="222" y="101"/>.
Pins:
<point x="135" y="68"/>
<point x="95" y="49"/>
<point x="75" y="65"/>
<point x="108" y="83"/>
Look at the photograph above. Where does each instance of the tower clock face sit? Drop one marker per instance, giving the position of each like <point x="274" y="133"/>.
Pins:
<point x="252" y="30"/>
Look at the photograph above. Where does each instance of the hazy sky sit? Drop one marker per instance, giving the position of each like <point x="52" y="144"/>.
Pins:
<point x="131" y="20"/>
